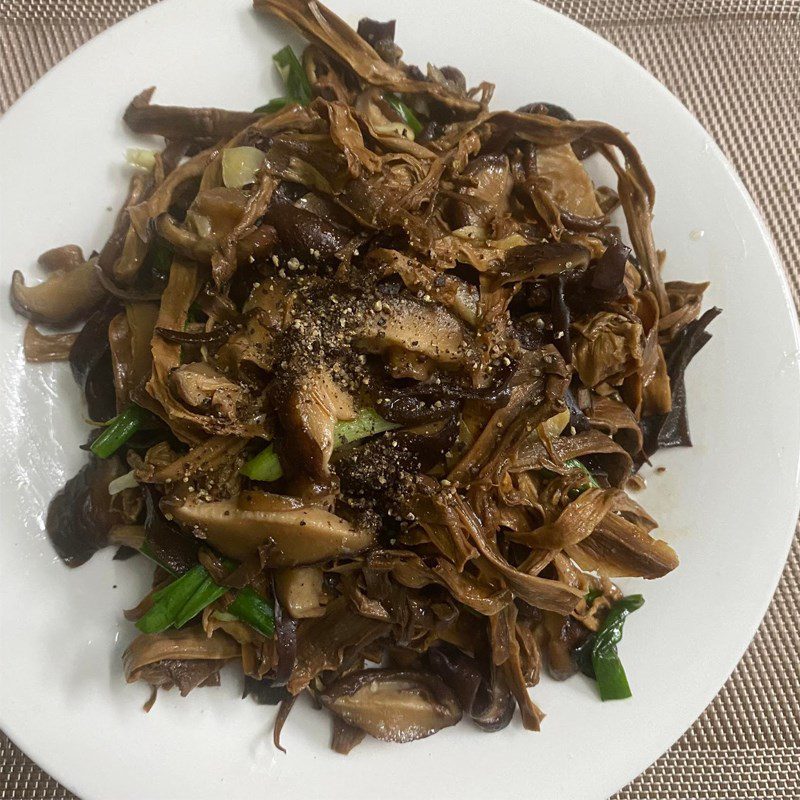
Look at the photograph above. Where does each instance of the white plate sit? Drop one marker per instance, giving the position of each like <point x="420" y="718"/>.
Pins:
<point x="728" y="506"/>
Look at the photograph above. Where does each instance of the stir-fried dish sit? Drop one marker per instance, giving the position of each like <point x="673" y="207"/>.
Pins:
<point x="369" y="370"/>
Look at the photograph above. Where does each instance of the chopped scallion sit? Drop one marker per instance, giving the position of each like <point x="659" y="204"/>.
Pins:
<point x="293" y="76"/>
<point x="404" y="112"/>
<point x="266" y="466"/>
<point x="276" y="104"/>
<point x="168" y="602"/>
<point x="118" y="431"/>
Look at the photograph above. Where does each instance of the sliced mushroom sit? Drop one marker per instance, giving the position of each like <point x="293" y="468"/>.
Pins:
<point x="130" y="536"/>
<point x="187" y="243"/>
<point x="300" y="591"/>
<point x="175" y="122"/>
<point x="295" y="534"/>
<point x="67" y="295"/>
<point x="314" y="404"/>
<point x="453" y="292"/>
<point x="485" y="191"/>
<point x="393" y="705"/>
<point x="40" y="347"/>
<point x="222" y="227"/>
<point x="65" y="257"/>
<point x="325" y="207"/>
<point x="212" y="456"/>
<point x="273" y="297"/>
<point x="415" y="326"/>
<point x="203" y="387"/>
<point x="306" y="236"/>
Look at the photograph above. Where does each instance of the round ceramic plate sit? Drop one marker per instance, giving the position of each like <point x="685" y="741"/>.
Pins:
<point x="728" y="505"/>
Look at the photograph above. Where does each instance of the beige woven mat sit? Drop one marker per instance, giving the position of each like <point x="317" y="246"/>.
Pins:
<point x="736" y="64"/>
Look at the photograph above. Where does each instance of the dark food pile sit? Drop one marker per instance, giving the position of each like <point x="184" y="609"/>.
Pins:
<point x="371" y="369"/>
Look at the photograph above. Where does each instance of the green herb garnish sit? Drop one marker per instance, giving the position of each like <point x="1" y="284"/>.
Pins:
<point x="253" y="609"/>
<point x="276" y="104"/>
<point x="189" y="594"/>
<point x="591" y="482"/>
<point x="266" y="466"/>
<point x="298" y="89"/>
<point x="404" y="112"/>
<point x="592" y="595"/>
<point x="598" y="658"/>
<point x="169" y="601"/>
<point x="119" y="430"/>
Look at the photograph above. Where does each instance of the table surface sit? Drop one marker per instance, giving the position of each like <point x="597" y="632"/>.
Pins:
<point x="736" y="65"/>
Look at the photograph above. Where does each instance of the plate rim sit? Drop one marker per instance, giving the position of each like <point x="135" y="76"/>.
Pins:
<point x="39" y="86"/>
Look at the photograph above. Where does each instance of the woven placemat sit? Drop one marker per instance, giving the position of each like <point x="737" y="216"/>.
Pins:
<point x="736" y="65"/>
